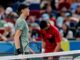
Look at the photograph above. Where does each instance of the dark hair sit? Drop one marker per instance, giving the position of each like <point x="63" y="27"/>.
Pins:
<point x="43" y="24"/>
<point x="1" y="6"/>
<point x="77" y="10"/>
<point x="22" y="6"/>
<point x="67" y="30"/>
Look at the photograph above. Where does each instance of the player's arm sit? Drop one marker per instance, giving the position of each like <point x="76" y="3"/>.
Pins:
<point x="58" y="40"/>
<point x="17" y="41"/>
<point x="43" y="46"/>
<point x="57" y="47"/>
<point x="43" y="42"/>
<point x="19" y="27"/>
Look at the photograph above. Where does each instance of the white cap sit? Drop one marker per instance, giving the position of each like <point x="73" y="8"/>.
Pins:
<point x="9" y="25"/>
<point x="8" y="10"/>
<point x="6" y="25"/>
<point x="45" y="16"/>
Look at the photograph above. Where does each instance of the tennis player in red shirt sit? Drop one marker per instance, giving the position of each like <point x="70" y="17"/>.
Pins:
<point x="50" y="38"/>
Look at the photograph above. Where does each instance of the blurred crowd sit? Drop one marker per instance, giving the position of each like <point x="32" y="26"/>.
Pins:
<point x="63" y="14"/>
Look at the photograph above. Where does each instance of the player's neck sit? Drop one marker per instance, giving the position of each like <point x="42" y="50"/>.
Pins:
<point x="23" y="16"/>
<point x="46" y="28"/>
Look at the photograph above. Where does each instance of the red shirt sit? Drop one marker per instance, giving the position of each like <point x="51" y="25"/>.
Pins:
<point x="51" y="37"/>
<point x="63" y="4"/>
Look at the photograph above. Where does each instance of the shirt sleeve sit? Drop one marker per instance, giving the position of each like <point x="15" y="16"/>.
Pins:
<point x="42" y="34"/>
<point x="57" y="35"/>
<point x="19" y="26"/>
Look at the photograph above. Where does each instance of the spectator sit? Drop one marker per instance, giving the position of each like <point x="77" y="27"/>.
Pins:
<point x="51" y="12"/>
<point x="60" y="19"/>
<point x="31" y="19"/>
<point x="44" y="4"/>
<point x="8" y="32"/>
<point x="72" y="24"/>
<point x="64" y="5"/>
<point x="77" y="12"/>
<point x="34" y="31"/>
<point x="53" y="4"/>
<point x="75" y="20"/>
<point x="46" y="17"/>
<point x="50" y="15"/>
<point x="48" y="9"/>
<point x="67" y="19"/>
<point x="8" y="10"/>
<point x="78" y="31"/>
<point x="66" y="33"/>
<point x="8" y="3"/>
<point x="2" y="11"/>
<point x="78" y="25"/>
<point x="36" y="35"/>
<point x="11" y="17"/>
<point x="74" y="5"/>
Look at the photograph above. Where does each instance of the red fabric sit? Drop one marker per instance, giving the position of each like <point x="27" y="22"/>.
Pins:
<point x="54" y="20"/>
<point x="35" y="13"/>
<point x="52" y="31"/>
<point x="64" y="4"/>
<point x="1" y="31"/>
<point x="10" y="20"/>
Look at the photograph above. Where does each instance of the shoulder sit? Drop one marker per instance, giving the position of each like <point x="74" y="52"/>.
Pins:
<point x="59" y="18"/>
<point x="70" y="32"/>
<point x="19" y="21"/>
<point x="54" y="28"/>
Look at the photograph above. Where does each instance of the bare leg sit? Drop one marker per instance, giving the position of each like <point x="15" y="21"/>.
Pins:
<point x="50" y="58"/>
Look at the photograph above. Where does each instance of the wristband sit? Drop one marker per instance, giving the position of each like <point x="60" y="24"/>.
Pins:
<point x="43" y="50"/>
<point x="18" y="51"/>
